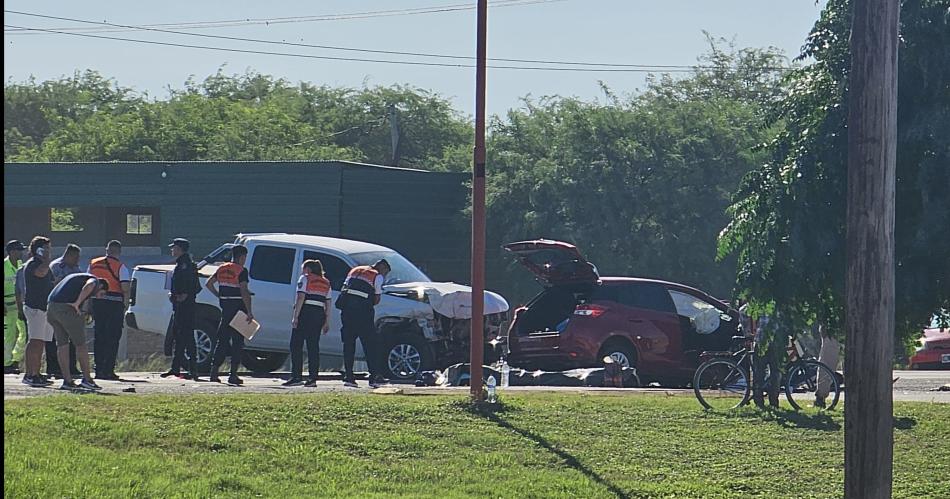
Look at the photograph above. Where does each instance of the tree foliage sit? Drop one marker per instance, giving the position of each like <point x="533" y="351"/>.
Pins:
<point x="788" y="217"/>
<point x="639" y="182"/>
<point x="226" y="117"/>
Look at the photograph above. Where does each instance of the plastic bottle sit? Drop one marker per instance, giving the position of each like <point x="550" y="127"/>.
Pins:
<point x="491" y="390"/>
<point x="505" y="373"/>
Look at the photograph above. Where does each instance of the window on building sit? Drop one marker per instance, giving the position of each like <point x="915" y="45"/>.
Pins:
<point x="64" y="220"/>
<point x="138" y="224"/>
<point x="273" y="264"/>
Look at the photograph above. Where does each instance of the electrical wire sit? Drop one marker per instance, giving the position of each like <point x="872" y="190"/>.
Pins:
<point x="349" y="49"/>
<point x="301" y="19"/>
<point x="356" y="59"/>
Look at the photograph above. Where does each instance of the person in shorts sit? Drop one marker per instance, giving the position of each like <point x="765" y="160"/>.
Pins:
<point x="38" y="282"/>
<point x="66" y="316"/>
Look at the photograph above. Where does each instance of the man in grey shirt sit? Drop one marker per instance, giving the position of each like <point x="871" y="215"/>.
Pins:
<point x="61" y="267"/>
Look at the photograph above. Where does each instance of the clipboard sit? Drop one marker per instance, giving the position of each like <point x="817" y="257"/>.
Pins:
<point x="240" y="324"/>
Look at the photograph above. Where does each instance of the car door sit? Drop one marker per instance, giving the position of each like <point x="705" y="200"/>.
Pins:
<point x="336" y="270"/>
<point x="273" y="271"/>
<point x="656" y="328"/>
<point x="705" y="325"/>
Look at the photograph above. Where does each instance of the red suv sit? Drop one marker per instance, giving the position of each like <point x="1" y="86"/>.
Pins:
<point x="579" y="318"/>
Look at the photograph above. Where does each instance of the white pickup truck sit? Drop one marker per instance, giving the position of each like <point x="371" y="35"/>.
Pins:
<point x="424" y="324"/>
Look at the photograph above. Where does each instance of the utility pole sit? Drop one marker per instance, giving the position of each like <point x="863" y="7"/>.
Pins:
<point x="478" y="210"/>
<point x="869" y="279"/>
<point x="394" y="134"/>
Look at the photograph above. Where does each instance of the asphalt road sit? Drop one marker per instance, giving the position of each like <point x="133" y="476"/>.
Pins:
<point x="920" y="386"/>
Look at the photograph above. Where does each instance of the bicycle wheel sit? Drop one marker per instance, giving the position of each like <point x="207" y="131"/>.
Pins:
<point x="720" y="384"/>
<point x="803" y="381"/>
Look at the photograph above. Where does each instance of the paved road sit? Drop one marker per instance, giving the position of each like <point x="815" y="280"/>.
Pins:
<point x="911" y="386"/>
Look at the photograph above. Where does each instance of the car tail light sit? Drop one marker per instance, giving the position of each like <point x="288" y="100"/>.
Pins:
<point x="132" y="289"/>
<point x="590" y="310"/>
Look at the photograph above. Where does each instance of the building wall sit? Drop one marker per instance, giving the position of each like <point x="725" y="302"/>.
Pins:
<point x="416" y="213"/>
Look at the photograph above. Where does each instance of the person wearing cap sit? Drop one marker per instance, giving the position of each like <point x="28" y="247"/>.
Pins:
<point x="185" y="287"/>
<point x="358" y="297"/>
<point x="233" y="297"/>
<point x="109" y="310"/>
<point x="38" y="282"/>
<point x="66" y="315"/>
<point x="14" y="329"/>
<point x="62" y="267"/>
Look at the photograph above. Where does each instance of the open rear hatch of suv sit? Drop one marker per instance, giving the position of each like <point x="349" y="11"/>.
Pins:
<point x="568" y="279"/>
<point x="554" y="262"/>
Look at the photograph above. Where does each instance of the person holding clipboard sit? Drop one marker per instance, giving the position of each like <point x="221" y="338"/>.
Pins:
<point x="233" y="297"/>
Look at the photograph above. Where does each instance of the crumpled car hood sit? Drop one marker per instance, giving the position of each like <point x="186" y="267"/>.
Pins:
<point x="451" y="299"/>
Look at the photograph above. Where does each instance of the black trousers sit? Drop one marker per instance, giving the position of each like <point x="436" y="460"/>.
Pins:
<point x="52" y="361"/>
<point x="308" y="330"/>
<point x="763" y="385"/>
<point x="228" y="342"/>
<point x="184" y="331"/>
<point x="360" y="323"/>
<point x="108" y="315"/>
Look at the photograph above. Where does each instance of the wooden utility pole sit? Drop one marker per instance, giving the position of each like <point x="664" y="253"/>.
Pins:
<point x="477" y="334"/>
<point x="869" y="281"/>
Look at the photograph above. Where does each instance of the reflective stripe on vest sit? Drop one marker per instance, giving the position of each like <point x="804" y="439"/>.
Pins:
<point x="9" y="279"/>
<point x="317" y="303"/>
<point x="316" y="290"/>
<point x="229" y="285"/>
<point x="103" y="269"/>
<point x="357" y="293"/>
<point x="361" y="282"/>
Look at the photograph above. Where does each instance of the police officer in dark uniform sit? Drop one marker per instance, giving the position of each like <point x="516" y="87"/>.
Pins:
<point x="185" y="287"/>
<point x="357" y="301"/>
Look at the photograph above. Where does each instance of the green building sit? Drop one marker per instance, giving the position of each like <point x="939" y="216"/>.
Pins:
<point x="146" y="204"/>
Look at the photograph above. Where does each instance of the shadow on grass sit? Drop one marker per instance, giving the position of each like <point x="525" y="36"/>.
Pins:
<point x="821" y="421"/>
<point x="786" y="418"/>
<point x="904" y="423"/>
<point x="494" y="412"/>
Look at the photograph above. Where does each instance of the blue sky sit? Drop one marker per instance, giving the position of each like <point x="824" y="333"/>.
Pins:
<point x="613" y="31"/>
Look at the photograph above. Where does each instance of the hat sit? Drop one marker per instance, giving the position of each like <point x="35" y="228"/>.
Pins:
<point x="15" y="245"/>
<point x="181" y="243"/>
<point x="383" y="262"/>
<point x="609" y="360"/>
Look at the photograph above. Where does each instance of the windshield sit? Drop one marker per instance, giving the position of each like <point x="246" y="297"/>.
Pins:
<point x="403" y="270"/>
<point x="222" y="254"/>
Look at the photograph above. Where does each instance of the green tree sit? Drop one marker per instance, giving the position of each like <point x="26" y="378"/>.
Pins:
<point x="640" y="183"/>
<point x="788" y="216"/>
<point x="228" y="117"/>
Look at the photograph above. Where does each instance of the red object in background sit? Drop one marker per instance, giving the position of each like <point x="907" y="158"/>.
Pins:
<point x="581" y="317"/>
<point x="934" y="352"/>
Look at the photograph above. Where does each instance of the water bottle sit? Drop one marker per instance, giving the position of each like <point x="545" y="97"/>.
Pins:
<point x="491" y="389"/>
<point x="505" y="373"/>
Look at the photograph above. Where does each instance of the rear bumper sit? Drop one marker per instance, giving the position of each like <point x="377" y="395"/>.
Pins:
<point x="930" y="357"/>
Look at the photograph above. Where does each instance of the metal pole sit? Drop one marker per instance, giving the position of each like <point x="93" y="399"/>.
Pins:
<point x="869" y="277"/>
<point x="478" y="210"/>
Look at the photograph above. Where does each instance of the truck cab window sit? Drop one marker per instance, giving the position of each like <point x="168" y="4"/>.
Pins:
<point x="335" y="269"/>
<point x="273" y="264"/>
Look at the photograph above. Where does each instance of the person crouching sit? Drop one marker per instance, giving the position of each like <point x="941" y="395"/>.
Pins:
<point x="67" y="319"/>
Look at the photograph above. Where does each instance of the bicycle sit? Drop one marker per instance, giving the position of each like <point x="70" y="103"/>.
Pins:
<point x="724" y="380"/>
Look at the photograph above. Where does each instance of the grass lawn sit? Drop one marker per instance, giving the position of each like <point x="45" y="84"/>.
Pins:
<point x="363" y="445"/>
